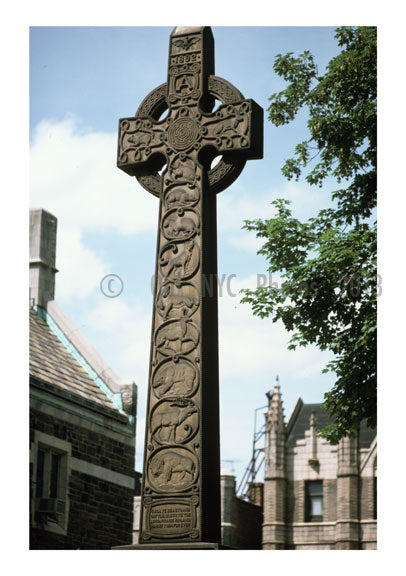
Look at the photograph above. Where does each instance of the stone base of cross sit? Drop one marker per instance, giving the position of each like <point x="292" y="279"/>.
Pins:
<point x="171" y="158"/>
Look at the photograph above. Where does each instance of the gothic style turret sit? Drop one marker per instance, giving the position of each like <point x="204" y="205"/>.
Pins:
<point x="273" y="534"/>
<point x="275" y="435"/>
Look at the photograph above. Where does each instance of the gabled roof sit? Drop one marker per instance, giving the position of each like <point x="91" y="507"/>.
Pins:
<point x="52" y="362"/>
<point x="300" y="422"/>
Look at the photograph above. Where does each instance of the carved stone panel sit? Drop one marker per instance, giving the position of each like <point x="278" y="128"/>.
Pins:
<point x="171" y="518"/>
<point x="181" y="197"/>
<point x="174" y="421"/>
<point x="175" y="377"/>
<point x="179" y="260"/>
<point x="176" y="337"/>
<point x="180" y="224"/>
<point x="172" y="470"/>
<point x="177" y="300"/>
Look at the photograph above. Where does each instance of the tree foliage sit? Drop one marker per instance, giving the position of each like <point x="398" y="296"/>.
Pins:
<point x="328" y="263"/>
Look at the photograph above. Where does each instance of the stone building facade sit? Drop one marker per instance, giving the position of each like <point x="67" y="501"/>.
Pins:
<point x="82" y="422"/>
<point x="316" y="495"/>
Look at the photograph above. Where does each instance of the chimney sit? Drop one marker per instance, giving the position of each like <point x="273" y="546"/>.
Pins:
<point x="42" y="256"/>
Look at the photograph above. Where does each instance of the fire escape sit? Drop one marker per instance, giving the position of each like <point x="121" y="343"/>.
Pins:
<point x="257" y="458"/>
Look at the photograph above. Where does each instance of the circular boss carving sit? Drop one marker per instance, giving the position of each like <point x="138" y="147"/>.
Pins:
<point x="226" y="171"/>
<point x="182" y="133"/>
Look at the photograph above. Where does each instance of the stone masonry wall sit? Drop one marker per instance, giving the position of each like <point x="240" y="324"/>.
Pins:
<point x="248" y="518"/>
<point x="300" y="468"/>
<point x="92" y="446"/>
<point x="296" y="501"/>
<point x="301" y="535"/>
<point x="368" y="525"/>
<point x="367" y="498"/>
<point x="100" y="511"/>
<point x="100" y="517"/>
<point x="273" y="530"/>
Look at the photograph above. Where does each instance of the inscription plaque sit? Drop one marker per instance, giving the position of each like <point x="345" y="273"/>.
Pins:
<point x="170" y="517"/>
<point x="171" y="158"/>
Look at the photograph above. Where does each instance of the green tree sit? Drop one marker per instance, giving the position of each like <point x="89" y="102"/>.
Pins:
<point x="328" y="263"/>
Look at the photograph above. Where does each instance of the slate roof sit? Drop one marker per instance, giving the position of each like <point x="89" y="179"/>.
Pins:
<point x="300" y="422"/>
<point x="51" y="362"/>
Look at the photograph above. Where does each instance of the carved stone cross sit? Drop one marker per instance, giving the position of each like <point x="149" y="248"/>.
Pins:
<point x="171" y="157"/>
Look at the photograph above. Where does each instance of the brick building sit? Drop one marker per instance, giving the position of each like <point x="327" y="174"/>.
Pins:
<point x="82" y="423"/>
<point x="316" y="496"/>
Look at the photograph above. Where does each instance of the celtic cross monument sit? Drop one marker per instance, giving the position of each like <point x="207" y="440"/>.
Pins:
<point x="171" y="157"/>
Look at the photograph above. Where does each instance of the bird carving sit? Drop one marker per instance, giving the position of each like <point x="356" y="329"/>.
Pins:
<point x="186" y="43"/>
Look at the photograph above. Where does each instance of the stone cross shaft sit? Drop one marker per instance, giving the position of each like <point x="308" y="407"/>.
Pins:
<point x="171" y="157"/>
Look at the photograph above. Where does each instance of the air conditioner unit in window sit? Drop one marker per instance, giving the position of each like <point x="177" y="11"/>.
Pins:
<point x="50" y="506"/>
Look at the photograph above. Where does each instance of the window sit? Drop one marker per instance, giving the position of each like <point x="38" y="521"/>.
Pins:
<point x="49" y="491"/>
<point x="50" y="483"/>
<point x="314" y="501"/>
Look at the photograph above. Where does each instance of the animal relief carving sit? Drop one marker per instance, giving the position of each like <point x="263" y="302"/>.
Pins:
<point x="185" y="43"/>
<point x="179" y="260"/>
<point x="179" y="226"/>
<point x="230" y="126"/>
<point x="173" y="421"/>
<point x="172" y="471"/>
<point x="180" y="197"/>
<point x="183" y="169"/>
<point x="176" y="302"/>
<point x="176" y="337"/>
<point x="180" y="378"/>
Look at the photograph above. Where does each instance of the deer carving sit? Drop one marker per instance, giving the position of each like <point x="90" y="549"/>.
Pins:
<point x="169" y="420"/>
<point x="174" y="332"/>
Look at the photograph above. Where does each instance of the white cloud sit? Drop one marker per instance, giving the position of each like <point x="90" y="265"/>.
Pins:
<point x="306" y="200"/>
<point x="234" y="209"/>
<point x="74" y="176"/>
<point x="246" y="241"/>
<point x="123" y="334"/>
<point x="249" y="344"/>
<point x="80" y="269"/>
